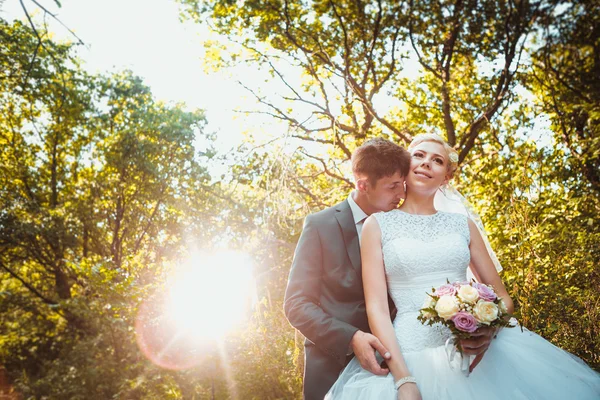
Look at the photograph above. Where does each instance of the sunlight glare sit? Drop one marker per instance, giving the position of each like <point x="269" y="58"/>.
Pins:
<point x="212" y="294"/>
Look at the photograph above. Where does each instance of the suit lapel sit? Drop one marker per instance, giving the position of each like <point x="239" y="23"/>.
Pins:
<point x="346" y="222"/>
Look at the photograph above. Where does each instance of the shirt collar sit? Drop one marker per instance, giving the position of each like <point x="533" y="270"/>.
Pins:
<point x="357" y="213"/>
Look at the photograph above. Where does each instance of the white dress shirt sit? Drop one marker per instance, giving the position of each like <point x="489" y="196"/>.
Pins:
<point x="358" y="214"/>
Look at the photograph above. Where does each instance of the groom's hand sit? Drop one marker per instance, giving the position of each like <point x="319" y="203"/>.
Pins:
<point x="478" y="344"/>
<point x="364" y="346"/>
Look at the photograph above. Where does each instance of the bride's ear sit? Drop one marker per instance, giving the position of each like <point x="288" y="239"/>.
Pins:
<point x="446" y="180"/>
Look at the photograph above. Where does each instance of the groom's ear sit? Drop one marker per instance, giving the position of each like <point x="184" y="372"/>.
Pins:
<point x="361" y="184"/>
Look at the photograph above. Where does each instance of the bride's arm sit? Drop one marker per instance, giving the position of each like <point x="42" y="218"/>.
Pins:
<point x="485" y="271"/>
<point x="375" y="287"/>
<point x="483" y="267"/>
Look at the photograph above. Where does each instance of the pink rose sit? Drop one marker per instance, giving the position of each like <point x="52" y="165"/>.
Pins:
<point x="459" y="284"/>
<point x="465" y="322"/>
<point x="445" y="290"/>
<point x="485" y="293"/>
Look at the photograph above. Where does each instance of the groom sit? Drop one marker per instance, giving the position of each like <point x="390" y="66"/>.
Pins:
<point x="324" y="299"/>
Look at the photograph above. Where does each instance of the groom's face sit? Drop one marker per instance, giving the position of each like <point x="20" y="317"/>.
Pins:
<point x="386" y="192"/>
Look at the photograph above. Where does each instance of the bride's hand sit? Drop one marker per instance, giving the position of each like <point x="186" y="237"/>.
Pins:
<point x="409" y="391"/>
<point x="478" y="344"/>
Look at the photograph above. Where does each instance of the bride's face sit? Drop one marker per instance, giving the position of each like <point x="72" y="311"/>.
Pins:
<point x="428" y="166"/>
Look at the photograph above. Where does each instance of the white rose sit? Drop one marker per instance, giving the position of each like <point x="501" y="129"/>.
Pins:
<point x="468" y="294"/>
<point x="446" y="307"/>
<point x="430" y="302"/>
<point x="502" y="307"/>
<point x="485" y="312"/>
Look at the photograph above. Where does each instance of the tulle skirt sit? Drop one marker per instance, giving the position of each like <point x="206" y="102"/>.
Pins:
<point x="518" y="365"/>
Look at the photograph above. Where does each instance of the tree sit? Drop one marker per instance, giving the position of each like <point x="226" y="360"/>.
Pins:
<point x="354" y="56"/>
<point x="566" y="77"/>
<point x="101" y="188"/>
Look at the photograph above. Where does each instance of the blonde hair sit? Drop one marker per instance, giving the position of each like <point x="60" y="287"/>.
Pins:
<point x="432" y="137"/>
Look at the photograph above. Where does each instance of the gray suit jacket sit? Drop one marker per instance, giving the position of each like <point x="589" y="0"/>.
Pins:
<point x="324" y="299"/>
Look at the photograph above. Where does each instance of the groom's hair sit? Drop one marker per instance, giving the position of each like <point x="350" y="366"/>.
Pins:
<point x="379" y="157"/>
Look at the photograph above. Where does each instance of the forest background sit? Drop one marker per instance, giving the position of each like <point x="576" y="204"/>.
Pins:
<point x="104" y="191"/>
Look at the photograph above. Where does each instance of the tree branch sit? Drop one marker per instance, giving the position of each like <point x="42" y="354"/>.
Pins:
<point x="414" y="46"/>
<point x="306" y="191"/>
<point x="506" y="76"/>
<point x="446" y="62"/>
<point x="29" y="287"/>
<point x="328" y="171"/>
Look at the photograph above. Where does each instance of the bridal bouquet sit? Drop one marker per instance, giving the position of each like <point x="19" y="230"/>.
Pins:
<point x="464" y="307"/>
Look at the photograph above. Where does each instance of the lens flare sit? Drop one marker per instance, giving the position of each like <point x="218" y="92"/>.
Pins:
<point x="205" y="300"/>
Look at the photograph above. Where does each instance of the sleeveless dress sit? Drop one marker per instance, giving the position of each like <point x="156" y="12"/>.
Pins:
<point x="424" y="251"/>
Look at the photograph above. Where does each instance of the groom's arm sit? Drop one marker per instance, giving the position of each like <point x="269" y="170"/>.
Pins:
<point x="302" y="298"/>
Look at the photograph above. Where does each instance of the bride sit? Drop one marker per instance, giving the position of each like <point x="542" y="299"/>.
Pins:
<point x="406" y="252"/>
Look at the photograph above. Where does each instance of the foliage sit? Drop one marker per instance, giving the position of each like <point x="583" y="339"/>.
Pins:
<point x="545" y="231"/>
<point x="566" y="74"/>
<point x="354" y="57"/>
<point x="101" y="189"/>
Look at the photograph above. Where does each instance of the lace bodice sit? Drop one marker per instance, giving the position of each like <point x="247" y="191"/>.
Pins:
<point x="421" y="252"/>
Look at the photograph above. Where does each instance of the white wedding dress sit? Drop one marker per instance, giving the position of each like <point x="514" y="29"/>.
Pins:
<point x="422" y="252"/>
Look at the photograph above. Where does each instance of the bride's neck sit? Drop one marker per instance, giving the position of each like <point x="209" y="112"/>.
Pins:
<point x="417" y="203"/>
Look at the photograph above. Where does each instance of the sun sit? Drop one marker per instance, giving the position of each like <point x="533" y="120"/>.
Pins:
<point x="212" y="294"/>
<point x="205" y="299"/>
